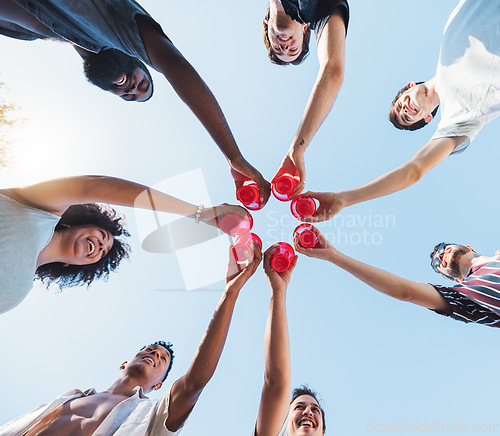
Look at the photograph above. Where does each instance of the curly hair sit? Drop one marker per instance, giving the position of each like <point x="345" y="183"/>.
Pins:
<point x="271" y="53"/>
<point x="170" y="348"/>
<point x="304" y="390"/>
<point x="78" y="275"/>
<point x="392" y="113"/>
<point x="100" y="68"/>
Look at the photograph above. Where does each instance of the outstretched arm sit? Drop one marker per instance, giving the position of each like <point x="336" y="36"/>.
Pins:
<point x="331" y="55"/>
<point x="434" y="152"/>
<point x="275" y="398"/>
<point x="57" y="195"/>
<point x="191" y="88"/>
<point x="402" y="289"/>
<point x="186" y="391"/>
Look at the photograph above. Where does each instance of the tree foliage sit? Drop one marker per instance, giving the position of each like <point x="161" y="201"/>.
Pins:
<point x="7" y="120"/>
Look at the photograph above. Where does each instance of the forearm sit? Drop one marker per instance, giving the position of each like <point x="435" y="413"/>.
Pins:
<point x="395" y="180"/>
<point x="383" y="281"/>
<point x="319" y="105"/>
<point x="57" y="195"/>
<point x="210" y="349"/>
<point x="277" y="345"/>
<point x="199" y="98"/>
<point x="275" y="396"/>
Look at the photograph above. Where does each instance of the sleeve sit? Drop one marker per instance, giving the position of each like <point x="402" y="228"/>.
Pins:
<point x="466" y="310"/>
<point x="460" y="129"/>
<point x="158" y="423"/>
<point x="325" y="10"/>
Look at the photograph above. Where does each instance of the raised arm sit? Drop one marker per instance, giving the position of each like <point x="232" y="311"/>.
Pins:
<point x="275" y="398"/>
<point x="191" y="88"/>
<point x="57" y="195"/>
<point x="331" y="55"/>
<point x="434" y="152"/>
<point x="419" y="293"/>
<point x="187" y="389"/>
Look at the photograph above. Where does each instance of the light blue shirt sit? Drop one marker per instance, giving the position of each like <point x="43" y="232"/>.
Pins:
<point x="24" y="232"/>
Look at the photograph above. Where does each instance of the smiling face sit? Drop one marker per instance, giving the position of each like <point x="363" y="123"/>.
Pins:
<point x="448" y="259"/>
<point x="84" y="245"/>
<point x="120" y="74"/>
<point x="305" y="417"/>
<point x="150" y="365"/>
<point x="134" y="86"/>
<point x="412" y="106"/>
<point x="286" y="37"/>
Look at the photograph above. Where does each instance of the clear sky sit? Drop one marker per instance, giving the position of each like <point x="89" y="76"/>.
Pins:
<point x="375" y="361"/>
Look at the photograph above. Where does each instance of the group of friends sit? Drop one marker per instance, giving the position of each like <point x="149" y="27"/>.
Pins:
<point x="54" y="231"/>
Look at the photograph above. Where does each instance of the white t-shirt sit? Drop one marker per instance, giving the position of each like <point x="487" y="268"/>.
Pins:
<point x="468" y="73"/>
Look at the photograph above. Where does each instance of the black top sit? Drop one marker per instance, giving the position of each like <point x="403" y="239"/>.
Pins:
<point x="315" y="12"/>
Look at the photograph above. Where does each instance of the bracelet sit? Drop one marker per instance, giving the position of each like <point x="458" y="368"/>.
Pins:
<point x="198" y="213"/>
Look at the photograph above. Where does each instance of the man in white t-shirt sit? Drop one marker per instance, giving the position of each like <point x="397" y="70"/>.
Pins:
<point x="466" y="86"/>
<point x="123" y="409"/>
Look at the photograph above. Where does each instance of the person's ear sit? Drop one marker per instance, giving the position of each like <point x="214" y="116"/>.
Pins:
<point x="265" y="21"/>
<point x="428" y="118"/>
<point x="123" y="365"/>
<point x="411" y="84"/>
<point x="304" y="27"/>
<point x="469" y="247"/>
<point x="157" y="386"/>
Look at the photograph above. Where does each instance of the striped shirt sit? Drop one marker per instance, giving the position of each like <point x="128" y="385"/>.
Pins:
<point x="476" y="299"/>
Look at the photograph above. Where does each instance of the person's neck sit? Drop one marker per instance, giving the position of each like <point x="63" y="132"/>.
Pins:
<point x="470" y="260"/>
<point x="277" y="13"/>
<point x="125" y="386"/>
<point x="51" y="252"/>
<point x="432" y="91"/>
<point x="479" y="259"/>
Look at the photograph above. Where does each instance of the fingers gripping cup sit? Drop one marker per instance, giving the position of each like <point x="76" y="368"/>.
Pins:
<point x="249" y="196"/>
<point x="283" y="187"/>
<point x="306" y="236"/>
<point x="303" y="206"/>
<point x="234" y="224"/>
<point x="282" y="257"/>
<point x="243" y="244"/>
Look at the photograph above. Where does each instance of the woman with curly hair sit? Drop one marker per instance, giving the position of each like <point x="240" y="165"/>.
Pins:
<point x="287" y="30"/>
<point x="52" y="230"/>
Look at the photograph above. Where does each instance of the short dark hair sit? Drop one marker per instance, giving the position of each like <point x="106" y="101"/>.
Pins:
<point x="99" y="67"/>
<point x="271" y="53"/>
<point x="392" y="113"/>
<point x="169" y="347"/>
<point x="103" y="217"/>
<point x="304" y="390"/>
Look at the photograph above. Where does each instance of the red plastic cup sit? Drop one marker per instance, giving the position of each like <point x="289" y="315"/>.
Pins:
<point x="303" y="206"/>
<point x="282" y="257"/>
<point x="249" y="196"/>
<point x="307" y="237"/>
<point x="234" y="224"/>
<point x="245" y="243"/>
<point x="283" y="187"/>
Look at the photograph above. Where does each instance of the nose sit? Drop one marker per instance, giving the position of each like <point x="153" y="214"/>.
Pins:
<point x="284" y="47"/>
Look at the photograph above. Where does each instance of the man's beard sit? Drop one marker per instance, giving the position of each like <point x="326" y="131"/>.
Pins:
<point x="103" y="68"/>
<point x="454" y="261"/>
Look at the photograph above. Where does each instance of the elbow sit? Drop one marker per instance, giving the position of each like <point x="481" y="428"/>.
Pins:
<point x="414" y="172"/>
<point x="334" y="73"/>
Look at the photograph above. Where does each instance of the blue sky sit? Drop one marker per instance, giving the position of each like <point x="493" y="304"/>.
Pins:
<point x="375" y="361"/>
